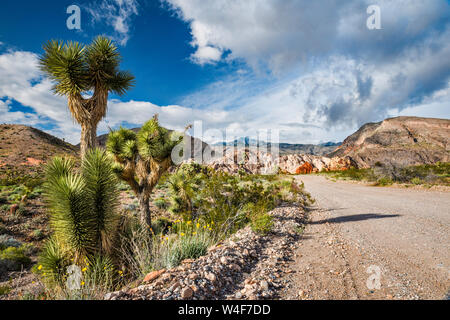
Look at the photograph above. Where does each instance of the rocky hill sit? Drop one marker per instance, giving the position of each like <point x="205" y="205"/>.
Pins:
<point x="24" y="149"/>
<point x="401" y="141"/>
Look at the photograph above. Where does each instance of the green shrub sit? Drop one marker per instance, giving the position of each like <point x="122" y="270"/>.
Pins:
<point x="7" y="241"/>
<point x="170" y="251"/>
<point x="387" y="174"/>
<point x="2" y="229"/>
<point x="262" y="223"/>
<point x="13" y="259"/>
<point x="4" y="290"/>
<point x="385" y="181"/>
<point x="22" y="211"/>
<point x="161" y="225"/>
<point x="160" y="203"/>
<point x="37" y="234"/>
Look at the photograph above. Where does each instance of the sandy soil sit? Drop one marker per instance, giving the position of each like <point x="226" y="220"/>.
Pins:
<point x="360" y="234"/>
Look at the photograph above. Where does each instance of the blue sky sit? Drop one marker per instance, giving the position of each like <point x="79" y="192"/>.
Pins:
<point x="312" y="70"/>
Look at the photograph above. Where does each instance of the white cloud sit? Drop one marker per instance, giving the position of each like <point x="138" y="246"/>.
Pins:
<point x="116" y="13"/>
<point x="21" y="80"/>
<point x="330" y="70"/>
<point x="279" y="35"/>
<point x="206" y="55"/>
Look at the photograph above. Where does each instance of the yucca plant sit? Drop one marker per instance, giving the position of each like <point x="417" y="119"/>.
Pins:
<point x="142" y="158"/>
<point x="78" y="70"/>
<point x="83" y="205"/>
<point x="183" y="185"/>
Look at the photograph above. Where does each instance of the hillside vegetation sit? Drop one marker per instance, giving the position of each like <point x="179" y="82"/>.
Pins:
<point x="382" y="175"/>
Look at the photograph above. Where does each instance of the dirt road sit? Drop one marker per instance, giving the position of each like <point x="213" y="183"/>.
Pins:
<point x="368" y="242"/>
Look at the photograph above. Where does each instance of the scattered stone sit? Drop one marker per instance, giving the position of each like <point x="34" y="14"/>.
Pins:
<point x="264" y="285"/>
<point x="211" y="277"/>
<point x="153" y="275"/>
<point x="186" y="293"/>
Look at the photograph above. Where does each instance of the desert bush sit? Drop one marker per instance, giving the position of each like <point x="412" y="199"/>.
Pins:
<point x="22" y="211"/>
<point x="2" y="229"/>
<point x="387" y="174"/>
<point x="262" y="223"/>
<point x="384" y="181"/>
<point x="14" y="259"/>
<point x="14" y="177"/>
<point x="4" y="290"/>
<point x="7" y="241"/>
<point x="186" y="242"/>
<point x="143" y="252"/>
<point x="38" y="234"/>
<point x="161" y="225"/>
<point x="202" y="193"/>
<point x="160" y="203"/>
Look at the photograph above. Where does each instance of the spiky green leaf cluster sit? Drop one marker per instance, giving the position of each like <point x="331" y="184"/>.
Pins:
<point x="183" y="186"/>
<point x="122" y="144"/>
<point x="83" y="205"/>
<point x="76" y="68"/>
<point x="155" y="141"/>
<point x="152" y="141"/>
<point x="53" y="261"/>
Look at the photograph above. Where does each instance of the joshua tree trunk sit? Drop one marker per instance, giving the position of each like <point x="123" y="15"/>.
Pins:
<point x="88" y="137"/>
<point x="144" y="210"/>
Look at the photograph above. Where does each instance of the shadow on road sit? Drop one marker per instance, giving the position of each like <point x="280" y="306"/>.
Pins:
<point x="356" y="217"/>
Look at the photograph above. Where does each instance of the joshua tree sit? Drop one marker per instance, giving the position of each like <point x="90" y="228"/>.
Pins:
<point x="83" y="206"/>
<point x="183" y="186"/>
<point x="79" y="70"/>
<point x="142" y="158"/>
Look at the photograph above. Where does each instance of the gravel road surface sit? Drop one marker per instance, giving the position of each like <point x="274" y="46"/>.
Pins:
<point x="366" y="242"/>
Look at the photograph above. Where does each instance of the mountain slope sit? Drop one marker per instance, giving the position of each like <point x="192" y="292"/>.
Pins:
<point x="25" y="149"/>
<point x="401" y="141"/>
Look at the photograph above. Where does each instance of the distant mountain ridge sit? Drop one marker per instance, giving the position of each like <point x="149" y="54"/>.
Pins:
<point x="285" y="148"/>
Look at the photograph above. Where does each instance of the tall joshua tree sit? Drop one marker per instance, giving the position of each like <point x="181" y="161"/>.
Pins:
<point x="79" y="70"/>
<point x="142" y="158"/>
